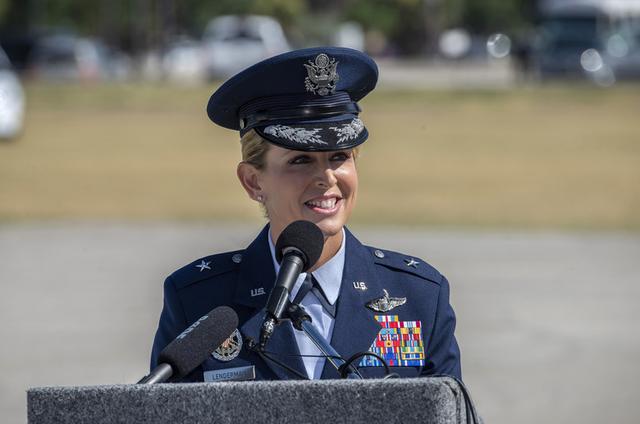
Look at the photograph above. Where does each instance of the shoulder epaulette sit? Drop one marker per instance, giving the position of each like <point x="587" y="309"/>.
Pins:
<point x="405" y="263"/>
<point x="207" y="267"/>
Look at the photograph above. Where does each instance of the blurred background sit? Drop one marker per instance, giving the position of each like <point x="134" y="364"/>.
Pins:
<point x="504" y="150"/>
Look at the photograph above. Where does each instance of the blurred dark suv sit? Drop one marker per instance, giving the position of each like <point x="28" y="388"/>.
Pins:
<point x="561" y="41"/>
<point x="586" y="42"/>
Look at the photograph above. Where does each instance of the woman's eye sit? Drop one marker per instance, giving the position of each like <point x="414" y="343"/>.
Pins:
<point x="300" y="160"/>
<point x="340" y="156"/>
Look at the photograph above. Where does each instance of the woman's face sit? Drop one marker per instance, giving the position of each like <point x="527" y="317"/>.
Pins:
<point x="320" y="187"/>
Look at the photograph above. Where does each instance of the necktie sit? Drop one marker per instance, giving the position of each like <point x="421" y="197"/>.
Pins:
<point x="310" y="284"/>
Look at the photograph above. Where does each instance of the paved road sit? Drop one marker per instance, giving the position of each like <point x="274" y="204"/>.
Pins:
<point x="548" y="323"/>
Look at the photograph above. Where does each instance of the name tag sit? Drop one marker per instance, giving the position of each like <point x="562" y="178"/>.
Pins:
<point x="231" y="374"/>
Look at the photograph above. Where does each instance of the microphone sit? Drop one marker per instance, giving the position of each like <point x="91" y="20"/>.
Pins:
<point x="298" y="248"/>
<point x="193" y="346"/>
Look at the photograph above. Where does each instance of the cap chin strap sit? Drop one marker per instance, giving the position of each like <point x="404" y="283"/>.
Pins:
<point x="307" y="112"/>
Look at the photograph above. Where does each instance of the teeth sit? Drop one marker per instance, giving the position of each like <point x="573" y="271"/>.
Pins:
<point x="324" y="204"/>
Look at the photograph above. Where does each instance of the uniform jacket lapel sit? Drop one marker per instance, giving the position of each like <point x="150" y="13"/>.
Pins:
<point x="355" y="327"/>
<point x="255" y="281"/>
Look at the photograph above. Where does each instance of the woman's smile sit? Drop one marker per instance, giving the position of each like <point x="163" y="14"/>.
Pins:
<point x="325" y="205"/>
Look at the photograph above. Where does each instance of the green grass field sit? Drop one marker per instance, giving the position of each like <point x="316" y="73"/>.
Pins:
<point x="552" y="157"/>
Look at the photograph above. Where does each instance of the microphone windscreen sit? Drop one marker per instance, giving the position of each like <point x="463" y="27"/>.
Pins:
<point x="194" y="345"/>
<point x="304" y="236"/>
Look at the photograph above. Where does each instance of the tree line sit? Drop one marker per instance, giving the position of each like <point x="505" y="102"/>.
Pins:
<point x="136" y="25"/>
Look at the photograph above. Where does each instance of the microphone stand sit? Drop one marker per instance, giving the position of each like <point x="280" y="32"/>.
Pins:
<point x="302" y="322"/>
<point x="159" y="375"/>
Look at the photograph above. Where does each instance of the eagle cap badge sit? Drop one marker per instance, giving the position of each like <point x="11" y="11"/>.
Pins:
<point x="386" y="303"/>
<point x="322" y="75"/>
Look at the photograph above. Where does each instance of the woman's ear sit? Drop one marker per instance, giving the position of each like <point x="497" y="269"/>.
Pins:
<point x="248" y="176"/>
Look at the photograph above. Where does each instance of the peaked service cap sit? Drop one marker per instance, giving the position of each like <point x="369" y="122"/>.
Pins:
<point x="301" y="100"/>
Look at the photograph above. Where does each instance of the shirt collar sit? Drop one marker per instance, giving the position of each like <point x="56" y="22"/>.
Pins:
<point x="329" y="275"/>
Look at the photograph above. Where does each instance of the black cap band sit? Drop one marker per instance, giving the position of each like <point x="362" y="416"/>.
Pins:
<point x="264" y="117"/>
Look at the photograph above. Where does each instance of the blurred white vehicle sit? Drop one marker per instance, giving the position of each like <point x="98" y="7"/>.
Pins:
<point x="233" y="43"/>
<point x="183" y="61"/>
<point x="11" y="100"/>
<point x="351" y="35"/>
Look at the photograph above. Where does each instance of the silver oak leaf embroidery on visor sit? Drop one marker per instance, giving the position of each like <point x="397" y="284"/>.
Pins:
<point x="297" y="135"/>
<point x="348" y="131"/>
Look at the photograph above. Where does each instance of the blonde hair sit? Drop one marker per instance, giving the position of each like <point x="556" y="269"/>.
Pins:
<point x="255" y="148"/>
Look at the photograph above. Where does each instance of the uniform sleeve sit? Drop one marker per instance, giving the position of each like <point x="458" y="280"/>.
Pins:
<point x="443" y="354"/>
<point x="172" y="321"/>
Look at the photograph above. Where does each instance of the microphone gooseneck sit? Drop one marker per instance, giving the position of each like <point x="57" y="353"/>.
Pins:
<point x="298" y="248"/>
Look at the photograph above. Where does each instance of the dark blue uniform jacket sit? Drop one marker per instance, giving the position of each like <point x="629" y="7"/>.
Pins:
<point x="243" y="280"/>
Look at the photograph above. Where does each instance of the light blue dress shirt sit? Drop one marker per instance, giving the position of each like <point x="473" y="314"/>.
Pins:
<point x="329" y="276"/>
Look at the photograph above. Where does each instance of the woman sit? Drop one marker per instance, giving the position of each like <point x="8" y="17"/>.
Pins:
<point x="300" y="131"/>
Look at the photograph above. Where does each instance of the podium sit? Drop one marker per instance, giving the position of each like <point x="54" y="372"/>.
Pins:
<point x="421" y="400"/>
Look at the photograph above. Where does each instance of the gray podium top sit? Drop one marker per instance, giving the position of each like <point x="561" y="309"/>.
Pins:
<point x="426" y="400"/>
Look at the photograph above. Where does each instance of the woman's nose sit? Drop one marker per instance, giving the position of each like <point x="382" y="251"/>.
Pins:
<point x="326" y="178"/>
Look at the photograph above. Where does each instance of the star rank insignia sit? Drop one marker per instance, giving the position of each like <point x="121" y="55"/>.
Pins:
<point x="386" y="303"/>
<point x="411" y="262"/>
<point x="203" y="265"/>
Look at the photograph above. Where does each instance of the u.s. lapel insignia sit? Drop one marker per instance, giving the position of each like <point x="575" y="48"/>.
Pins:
<point x="258" y="292"/>
<point x="322" y="75"/>
<point x="230" y="348"/>
<point x="360" y="285"/>
<point x="411" y="262"/>
<point x="203" y="265"/>
<point x="386" y="303"/>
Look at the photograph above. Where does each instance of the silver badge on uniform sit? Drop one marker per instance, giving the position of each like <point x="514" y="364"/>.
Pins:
<point x="230" y="348"/>
<point x="322" y="75"/>
<point x="386" y="303"/>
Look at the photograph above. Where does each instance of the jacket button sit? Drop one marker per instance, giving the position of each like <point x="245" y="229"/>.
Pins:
<point x="379" y="253"/>
<point x="237" y="258"/>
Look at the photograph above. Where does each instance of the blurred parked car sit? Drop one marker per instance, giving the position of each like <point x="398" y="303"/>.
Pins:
<point x="233" y="43"/>
<point x="350" y="35"/>
<point x="11" y="100"/>
<point x="65" y="57"/>
<point x="183" y="61"/>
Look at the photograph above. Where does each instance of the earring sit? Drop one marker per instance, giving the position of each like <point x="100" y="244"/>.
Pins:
<point x="259" y="197"/>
